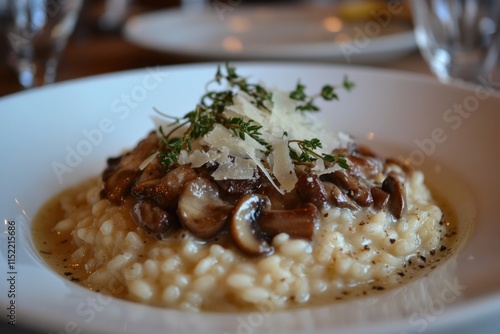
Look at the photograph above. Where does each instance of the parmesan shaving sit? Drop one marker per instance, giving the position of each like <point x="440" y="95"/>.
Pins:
<point x="244" y="108"/>
<point x="282" y="166"/>
<point x="221" y="137"/>
<point x="240" y="169"/>
<point x="198" y="158"/>
<point x="147" y="161"/>
<point x="240" y="159"/>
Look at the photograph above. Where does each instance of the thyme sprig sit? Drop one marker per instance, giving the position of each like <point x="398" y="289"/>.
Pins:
<point x="259" y="94"/>
<point x="308" y="154"/>
<point x="200" y="122"/>
<point x="328" y="93"/>
<point x="211" y="111"/>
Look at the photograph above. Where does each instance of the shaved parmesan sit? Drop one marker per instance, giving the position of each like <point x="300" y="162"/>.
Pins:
<point x="198" y="158"/>
<point x="243" y="107"/>
<point x="282" y="166"/>
<point x="240" y="159"/>
<point x="148" y="160"/>
<point x="240" y="169"/>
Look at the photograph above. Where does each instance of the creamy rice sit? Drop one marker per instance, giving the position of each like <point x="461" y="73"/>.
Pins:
<point x="352" y="254"/>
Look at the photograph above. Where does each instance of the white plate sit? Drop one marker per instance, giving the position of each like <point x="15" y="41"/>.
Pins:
<point x="450" y="132"/>
<point x="272" y="32"/>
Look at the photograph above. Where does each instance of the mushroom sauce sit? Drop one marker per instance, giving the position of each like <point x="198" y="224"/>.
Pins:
<point x="291" y="214"/>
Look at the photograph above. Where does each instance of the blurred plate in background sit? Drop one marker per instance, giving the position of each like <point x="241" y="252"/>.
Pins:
<point x="343" y="34"/>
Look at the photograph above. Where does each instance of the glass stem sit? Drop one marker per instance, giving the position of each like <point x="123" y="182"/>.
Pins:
<point x="35" y="73"/>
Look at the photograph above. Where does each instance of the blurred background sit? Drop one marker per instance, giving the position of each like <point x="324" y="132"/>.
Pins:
<point x="113" y="35"/>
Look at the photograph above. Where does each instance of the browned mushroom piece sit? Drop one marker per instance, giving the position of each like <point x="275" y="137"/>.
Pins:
<point x="166" y="191"/>
<point x="234" y="189"/>
<point x="244" y="229"/>
<point x="311" y="190"/>
<point x="339" y="199"/>
<point x="286" y="201"/>
<point x="380" y="198"/>
<point x="297" y="223"/>
<point x="117" y="186"/>
<point x="112" y="165"/>
<point x="154" y="219"/>
<point x="146" y="147"/>
<point x="364" y="166"/>
<point x="353" y="185"/>
<point x="134" y="158"/>
<point x="364" y="150"/>
<point x="201" y="211"/>
<point x="122" y="172"/>
<point x="397" y="195"/>
<point x="154" y="170"/>
<point x="405" y="166"/>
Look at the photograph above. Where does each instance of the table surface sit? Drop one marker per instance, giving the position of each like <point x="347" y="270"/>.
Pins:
<point x="91" y="51"/>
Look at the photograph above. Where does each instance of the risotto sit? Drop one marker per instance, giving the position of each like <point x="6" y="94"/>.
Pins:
<point x="242" y="202"/>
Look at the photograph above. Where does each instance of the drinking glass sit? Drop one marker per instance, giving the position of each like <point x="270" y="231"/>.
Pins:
<point x="459" y="39"/>
<point x="38" y="34"/>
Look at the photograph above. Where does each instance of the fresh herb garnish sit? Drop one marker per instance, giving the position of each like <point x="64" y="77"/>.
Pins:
<point x="211" y="111"/>
<point x="328" y="93"/>
<point x="259" y="94"/>
<point x="309" y="155"/>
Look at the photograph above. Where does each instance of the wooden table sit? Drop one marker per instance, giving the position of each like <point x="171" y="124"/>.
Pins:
<point x="91" y="51"/>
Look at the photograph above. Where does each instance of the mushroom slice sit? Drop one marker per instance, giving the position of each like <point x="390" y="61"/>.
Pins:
<point x="364" y="166"/>
<point x="166" y="191"/>
<point x="243" y="225"/>
<point x="112" y="166"/>
<point x="311" y="189"/>
<point x="289" y="200"/>
<point x="353" y="185"/>
<point x="297" y="223"/>
<point x="201" y="211"/>
<point x="380" y="198"/>
<point x="339" y="199"/>
<point x="154" y="219"/>
<point x="117" y="186"/>
<point x="405" y="166"/>
<point x="152" y="171"/>
<point x="231" y="188"/>
<point x="397" y="194"/>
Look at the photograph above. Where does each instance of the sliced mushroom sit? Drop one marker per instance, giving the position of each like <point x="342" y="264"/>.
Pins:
<point x="405" y="166"/>
<point x="311" y="190"/>
<point x="231" y="189"/>
<point x="364" y="166"/>
<point x="122" y="172"/>
<point x="154" y="219"/>
<point x="380" y="198"/>
<point x="201" y="211"/>
<point x="364" y="151"/>
<point x="112" y="164"/>
<point x="166" y="191"/>
<point x="134" y="158"/>
<point x="397" y="195"/>
<point x="286" y="201"/>
<point x="243" y="225"/>
<point x="297" y="223"/>
<point x="118" y="185"/>
<point x="339" y="199"/>
<point x="154" y="170"/>
<point x="353" y="185"/>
